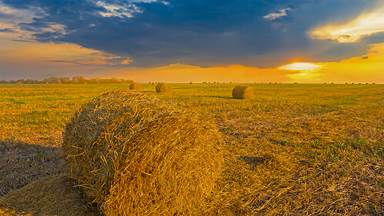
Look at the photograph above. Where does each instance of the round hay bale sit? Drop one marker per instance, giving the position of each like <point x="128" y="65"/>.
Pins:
<point x="242" y="92"/>
<point x="135" y="86"/>
<point x="53" y="195"/>
<point x="133" y="154"/>
<point x="162" y="87"/>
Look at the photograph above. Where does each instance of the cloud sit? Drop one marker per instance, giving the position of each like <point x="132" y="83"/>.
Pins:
<point x="117" y="10"/>
<point x="122" y="9"/>
<point x="65" y="53"/>
<point x="16" y="24"/>
<point x="352" y="31"/>
<point x="277" y="15"/>
<point x="23" y="54"/>
<point x="14" y="15"/>
<point x="126" y="61"/>
<point x="40" y="60"/>
<point x="11" y="18"/>
<point x="54" y="28"/>
<point x="50" y="52"/>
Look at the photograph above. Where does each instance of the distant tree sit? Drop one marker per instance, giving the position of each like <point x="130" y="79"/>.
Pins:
<point x="20" y="81"/>
<point x="94" y="81"/>
<point x="79" y="79"/>
<point x="65" y="80"/>
<point x="51" y="80"/>
<point x="30" y="81"/>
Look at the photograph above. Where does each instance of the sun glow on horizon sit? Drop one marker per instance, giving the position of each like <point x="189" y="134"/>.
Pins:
<point x="300" y="66"/>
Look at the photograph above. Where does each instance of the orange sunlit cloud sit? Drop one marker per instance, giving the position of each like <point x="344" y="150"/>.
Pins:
<point x="365" y="25"/>
<point x="36" y="52"/>
<point x="32" y="59"/>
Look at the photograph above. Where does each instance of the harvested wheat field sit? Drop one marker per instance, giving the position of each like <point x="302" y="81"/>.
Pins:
<point x="292" y="149"/>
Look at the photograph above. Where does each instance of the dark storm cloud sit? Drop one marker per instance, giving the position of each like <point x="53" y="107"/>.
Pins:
<point x="6" y="30"/>
<point x="194" y="31"/>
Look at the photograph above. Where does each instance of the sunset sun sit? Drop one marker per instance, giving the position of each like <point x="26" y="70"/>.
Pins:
<point x="300" y="66"/>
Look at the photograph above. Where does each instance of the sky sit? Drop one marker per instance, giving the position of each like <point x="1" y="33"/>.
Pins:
<point x="309" y="41"/>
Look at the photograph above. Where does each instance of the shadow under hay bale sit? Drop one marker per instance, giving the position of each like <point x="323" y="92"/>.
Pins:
<point x="134" y="154"/>
<point x="242" y="92"/>
<point x="135" y="86"/>
<point x="162" y="88"/>
<point x="54" y="195"/>
<point x="22" y="163"/>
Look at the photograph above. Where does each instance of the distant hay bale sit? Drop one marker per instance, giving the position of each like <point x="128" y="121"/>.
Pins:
<point x="135" y="86"/>
<point x="162" y="87"/>
<point x="133" y="154"/>
<point x="242" y="92"/>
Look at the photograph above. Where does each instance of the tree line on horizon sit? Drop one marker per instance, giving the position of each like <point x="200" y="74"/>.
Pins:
<point x="83" y="80"/>
<point x="67" y="80"/>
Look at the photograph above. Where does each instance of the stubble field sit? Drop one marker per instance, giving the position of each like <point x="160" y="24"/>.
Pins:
<point x="292" y="150"/>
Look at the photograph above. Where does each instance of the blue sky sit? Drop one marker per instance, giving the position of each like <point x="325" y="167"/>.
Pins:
<point x="261" y="33"/>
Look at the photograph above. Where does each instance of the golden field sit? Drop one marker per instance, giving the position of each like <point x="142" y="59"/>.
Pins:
<point x="293" y="149"/>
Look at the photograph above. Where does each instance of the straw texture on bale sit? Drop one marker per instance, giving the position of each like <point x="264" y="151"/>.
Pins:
<point x="162" y="87"/>
<point x="135" y="86"/>
<point x="54" y="195"/>
<point x="242" y="92"/>
<point x="133" y="154"/>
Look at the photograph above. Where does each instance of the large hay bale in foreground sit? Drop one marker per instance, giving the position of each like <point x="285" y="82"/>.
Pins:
<point x="135" y="86"/>
<point x="242" y="92"/>
<point x="136" y="155"/>
<point x="162" y="87"/>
